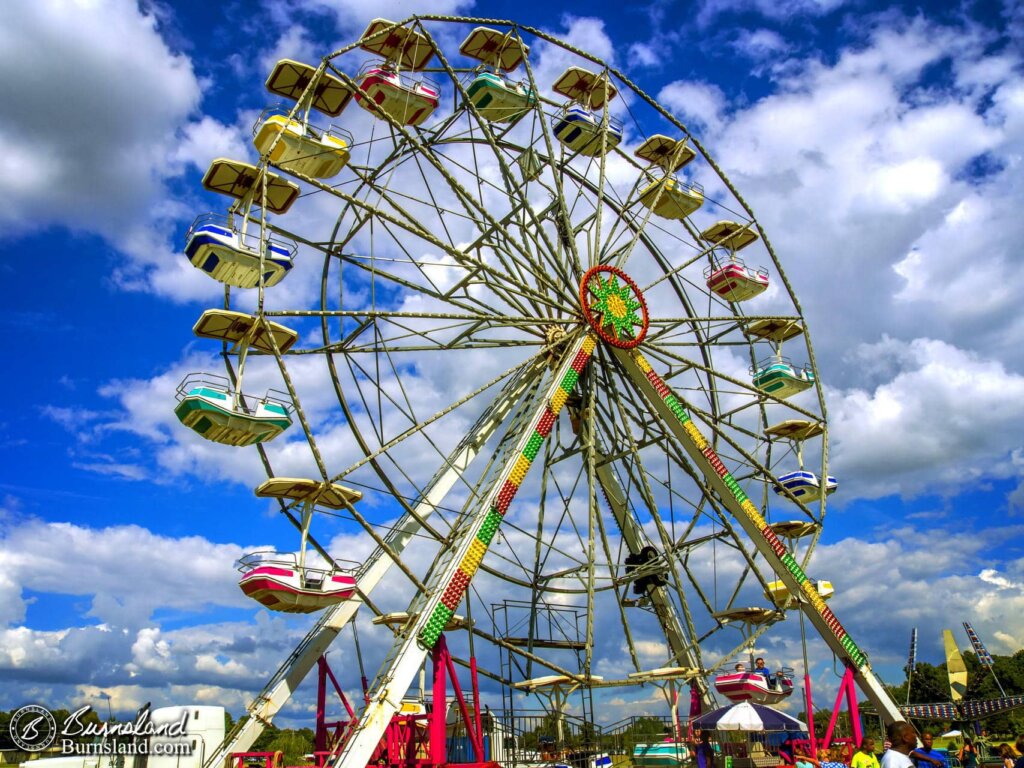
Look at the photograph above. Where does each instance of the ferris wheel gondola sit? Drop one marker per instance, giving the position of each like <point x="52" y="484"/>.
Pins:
<point x="284" y="581"/>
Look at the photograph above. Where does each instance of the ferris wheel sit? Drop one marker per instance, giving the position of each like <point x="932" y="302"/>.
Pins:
<point x="554" y="331"/>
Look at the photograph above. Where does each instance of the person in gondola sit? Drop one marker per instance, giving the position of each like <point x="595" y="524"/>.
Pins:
<point x="761" y="669"/>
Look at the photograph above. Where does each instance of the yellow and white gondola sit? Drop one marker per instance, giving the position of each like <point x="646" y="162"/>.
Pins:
<point x="292" y="145"/>
<point x="672" y="198"/>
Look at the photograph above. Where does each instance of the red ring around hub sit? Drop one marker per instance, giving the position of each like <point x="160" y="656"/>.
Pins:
<point x="606" y="335"/>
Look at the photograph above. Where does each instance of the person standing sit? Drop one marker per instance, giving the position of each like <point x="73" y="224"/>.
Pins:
<point x="865" y="756"/>
<point x="705" y="752"/>
<point x="968" y="755"/>
<point x="926" y="755"/>
<point x="1020" y="751"/>
<point x="903" y="738"/>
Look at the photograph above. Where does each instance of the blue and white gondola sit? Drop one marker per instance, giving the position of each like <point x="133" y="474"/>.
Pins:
<point x="579" y="130"/>
<point x="805" y="485"/>
<point x="232" y="257"/>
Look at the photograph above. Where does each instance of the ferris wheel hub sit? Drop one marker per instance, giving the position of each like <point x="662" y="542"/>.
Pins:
<point x="614" y="306"/>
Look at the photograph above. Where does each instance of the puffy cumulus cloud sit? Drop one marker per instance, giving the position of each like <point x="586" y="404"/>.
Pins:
<point x="643" y="55"/>
<point x="127" y="571"/>
<point x="853" y="165"/>
<point x="759" y="44"/>
<point x="91" y="147"/>
<point x="929" y="586"/>
<point x="700" y="105"/>
<point x="294" y="43"/>
<point x="938" y="416"/>
<point x="217" y="663"/>
<point x="967" y="267"/>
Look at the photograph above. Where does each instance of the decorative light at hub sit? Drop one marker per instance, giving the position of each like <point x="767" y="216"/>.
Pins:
<point x="608" y="305"/>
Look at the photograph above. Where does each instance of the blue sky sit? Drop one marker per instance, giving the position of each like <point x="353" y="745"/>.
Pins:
<point x="881" y="147"/>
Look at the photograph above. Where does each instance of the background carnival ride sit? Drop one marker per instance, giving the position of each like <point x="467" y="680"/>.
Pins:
<point x="560" y="377"/>
<point x="958" y="709"/>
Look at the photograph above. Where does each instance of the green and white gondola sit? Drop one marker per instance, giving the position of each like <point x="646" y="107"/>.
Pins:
<point x="777" y="376"/>
<point x="212" y="409"/>
<point x="499" y="100"/>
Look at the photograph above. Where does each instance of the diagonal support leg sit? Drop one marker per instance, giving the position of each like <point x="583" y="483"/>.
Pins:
<point x="422" y="634"/>
<point x="672" y="411"/>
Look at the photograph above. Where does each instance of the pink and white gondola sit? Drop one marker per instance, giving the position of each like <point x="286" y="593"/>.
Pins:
<point x="277" y="581"/>
<point x="407" y="101"/>
<point x="755" y="687"/>
<point x="735" y="281"/>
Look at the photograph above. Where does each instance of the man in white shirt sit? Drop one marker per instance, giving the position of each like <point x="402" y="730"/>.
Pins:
<point x="904" y="739"/>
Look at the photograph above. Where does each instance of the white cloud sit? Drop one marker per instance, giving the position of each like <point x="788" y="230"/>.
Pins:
<point x="90" y="145"/>
<point x="709" y="10"/>
<point x="126" y="571"/>
<point x="940" y="418"/>
<point x="760" y="45"/>
<point x="294" y="43"/>
<point x="699" y="104"/>
<point x="643" y="55"/>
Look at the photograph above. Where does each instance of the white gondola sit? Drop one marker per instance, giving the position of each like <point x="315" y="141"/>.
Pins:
<point x="580" y="130"/>
<point x="777" y="376"/>
<point x="805" y="485"/>
<point x="296" y="146"/>
<point x="214" y="245"/>
<point x="671" y="198"/>
<point x="276" y="580"/>
<point x="283" y="581"/>
<point x="756" y="687"/>
<point x="209" y="406"/>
